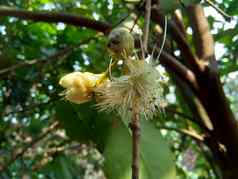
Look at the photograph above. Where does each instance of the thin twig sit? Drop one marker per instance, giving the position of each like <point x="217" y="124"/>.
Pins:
<point x="62" y="53"/>
<point x="142" y="48"/>
<point x="226" y="16"/>
<point x="135" y="128"/>
<point x="20" y="152"/>
<point x="191" y="119"/>
<point x="31" y="106"/>
<point x="209" y="159"/>
<point x="182" y="4"/>
<point x="186" y="132"/>
<point x="183" y="115"/>
<point x="121" y="20"/>
<point x="146" y="25"/>
<point x="53" y="151"/>
<point x="164" y="38"/>
<point x="135" y="22"/>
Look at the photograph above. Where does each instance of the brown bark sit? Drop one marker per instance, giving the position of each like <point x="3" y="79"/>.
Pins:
<point x="179" y="69"/>
<point x="201" y="33"/>
<point x="146" y="29"/>
<point x="212" y="94"/>
<point x="225" y="125"/>
<point x="67" y="18"/>
<point x="197" y="109"/>
<point x="223" y="139"/>
<point x="178" y="19"/>
<point x="135" y="128"/>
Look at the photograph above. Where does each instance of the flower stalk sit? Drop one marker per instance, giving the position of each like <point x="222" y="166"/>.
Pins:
<point x="135" y="128"/>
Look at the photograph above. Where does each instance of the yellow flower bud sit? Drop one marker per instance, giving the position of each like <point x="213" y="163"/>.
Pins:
<point x="79" y="86"/>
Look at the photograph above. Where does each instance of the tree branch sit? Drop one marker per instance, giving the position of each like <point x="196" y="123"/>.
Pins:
<point x="201" y="33"/>
<point x="174" y="65"/>
<point x="186" y="132"/>
<point x="67" y="18"/>
<point x="146" y="25"/>
<point x="20" y="152"/>
<point x="64" y="52"/>
<point x="210" y="160"/>
<point x="212" y="100"/>
<point x="180" y="41"/>
<point x="135" y="128"/>
<point x="226" y="16"/>
<point x="178" y="19"/>
<point x="60" y="54"/>
<point x="215" y="102"/>
<point x="212" y="95"/>
<point x="193" y="103"/>
<point x="183" y="115"/>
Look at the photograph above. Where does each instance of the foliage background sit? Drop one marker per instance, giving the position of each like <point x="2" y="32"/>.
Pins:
<point x="33" y="144"/>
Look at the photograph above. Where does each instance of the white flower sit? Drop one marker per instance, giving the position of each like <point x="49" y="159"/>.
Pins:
<point x="141" y="84"/>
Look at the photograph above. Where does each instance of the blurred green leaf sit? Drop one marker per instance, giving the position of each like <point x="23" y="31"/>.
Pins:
<point x="156" y="158"/>
<point x="83" y="123"/>
<point x="62" y="167"/>
<point x="226" y="35"/>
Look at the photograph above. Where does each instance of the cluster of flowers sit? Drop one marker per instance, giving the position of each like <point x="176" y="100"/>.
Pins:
<point x="141" y="84"/>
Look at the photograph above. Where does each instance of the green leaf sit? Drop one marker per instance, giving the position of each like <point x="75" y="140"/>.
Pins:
<point x="156" y="158"/>
<point x="83" y="123"/>
<point x="62" y="167"/>
<point x="226" y="36"/>
<point x="76" y="124"/>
